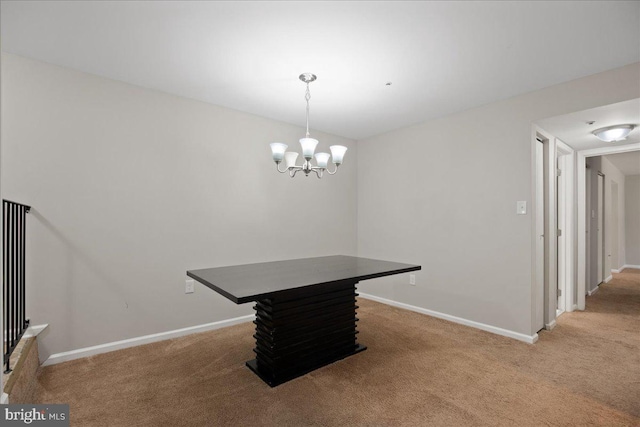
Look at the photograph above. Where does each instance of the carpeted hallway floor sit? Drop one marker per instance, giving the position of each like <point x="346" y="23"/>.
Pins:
<point x="417" y="371"/>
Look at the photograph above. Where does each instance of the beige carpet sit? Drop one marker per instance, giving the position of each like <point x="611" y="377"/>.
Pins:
<point x="417" y="371"/>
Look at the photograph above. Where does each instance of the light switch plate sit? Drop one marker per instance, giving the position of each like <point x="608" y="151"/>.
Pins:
<point x="189" y="286"/>
<point x="521" y="207"/>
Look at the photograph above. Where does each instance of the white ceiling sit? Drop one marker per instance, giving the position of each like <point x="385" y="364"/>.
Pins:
<point x="627" y="163"/>
<point x="442" y="57"/>
<point x="574" y="130"/>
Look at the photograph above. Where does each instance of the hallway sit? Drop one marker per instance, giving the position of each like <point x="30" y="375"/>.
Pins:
<point x="603" y="342"/>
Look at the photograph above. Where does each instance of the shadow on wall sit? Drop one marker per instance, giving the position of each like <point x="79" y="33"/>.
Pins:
<point x="74" y="260"/>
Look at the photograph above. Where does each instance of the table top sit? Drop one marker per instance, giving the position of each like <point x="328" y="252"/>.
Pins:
<point x="252" y="282"/>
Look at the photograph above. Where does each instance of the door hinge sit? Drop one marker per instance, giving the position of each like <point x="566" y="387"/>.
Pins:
<point x="558" y="172"/>
<point x="559" y="292"/>
<point x="559" y="232"/>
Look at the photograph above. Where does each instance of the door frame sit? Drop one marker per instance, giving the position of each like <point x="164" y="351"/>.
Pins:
<point x="614" y="228"/>
<point x="546" y="304"/>
<point x="581" y="168"/>
<point x="544" y="295"/>
<point x="600" y="208"/>
<point x="588" y="231"/>
<point x="568" y="232"/>
<point x="538" y="279"/>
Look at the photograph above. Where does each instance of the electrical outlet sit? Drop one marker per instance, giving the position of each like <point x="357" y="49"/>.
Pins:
<point x="190" y="286"/>
<point x="412" y="279"/>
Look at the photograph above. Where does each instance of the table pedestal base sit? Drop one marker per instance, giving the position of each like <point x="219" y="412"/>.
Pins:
<point x="300" y="330"/>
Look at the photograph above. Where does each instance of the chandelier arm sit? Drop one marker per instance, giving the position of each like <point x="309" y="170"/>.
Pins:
<point x="278" y="167"/>
<point x="317" y="170"/>
<point x="334" y="171"/>
<point x="294" y="171"/>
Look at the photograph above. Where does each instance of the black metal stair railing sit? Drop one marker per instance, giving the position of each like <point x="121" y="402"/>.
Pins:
<point x="14" y="227"/>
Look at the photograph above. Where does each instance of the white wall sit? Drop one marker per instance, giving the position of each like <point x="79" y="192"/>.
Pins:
<point x="443" y="194"/>
<point x="613" y="174"/>
<point x="632" y="219"/>
<point x="131" y="187"/>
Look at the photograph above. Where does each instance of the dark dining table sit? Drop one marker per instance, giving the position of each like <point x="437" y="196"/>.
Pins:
<point x="305" y="308"/>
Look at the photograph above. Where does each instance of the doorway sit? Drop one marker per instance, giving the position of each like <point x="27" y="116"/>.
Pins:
<point x="565" y="236"/>
<point x="600" y="229"/>
<point x="583" y="216"/>
<point x="539" y="252"/>
<point x="545" y="149"/>
<point x="561" y="240"/>
<point x="613" y="231"/>
<point x="553" y="227"/>
<point x="577" y="131"/>
<point x="590" y="213"/>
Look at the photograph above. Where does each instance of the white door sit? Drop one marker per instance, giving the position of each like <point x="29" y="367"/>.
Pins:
<point x="613" y="229"/>
<point x="561" y="239"/>
<point x="600" y="229"/>
<point x="588" y="230"/>
<point x="539" y="292"/>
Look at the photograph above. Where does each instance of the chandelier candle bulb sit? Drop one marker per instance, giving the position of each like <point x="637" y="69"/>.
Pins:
<point x="308" y="147"/>
<point x="337" y="152"/>
<point x="290" y="158"/>
<point x="278" y="149"/>
<point x="322" y="159"/>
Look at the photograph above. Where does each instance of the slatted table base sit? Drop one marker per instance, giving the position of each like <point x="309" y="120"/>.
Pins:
<point x="300" y="330"/>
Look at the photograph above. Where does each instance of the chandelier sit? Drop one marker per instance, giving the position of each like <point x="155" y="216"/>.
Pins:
<point x="278" y="149"/>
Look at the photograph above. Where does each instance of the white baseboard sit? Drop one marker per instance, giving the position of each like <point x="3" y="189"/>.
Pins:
<point x="593" y="291"/>
<point x="616" y="271"/>
<point x="630" y="266"/>
<point x="530" y="339"/>
<point x="146" y="339"/>
<point x="608" y="279"/>
<point x="4" y="400"/>
<point x="551" y="325"/>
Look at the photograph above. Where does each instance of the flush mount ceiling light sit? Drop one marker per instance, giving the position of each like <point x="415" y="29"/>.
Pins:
<point x="278" y="149"/>
<point x="613" y="133"/>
